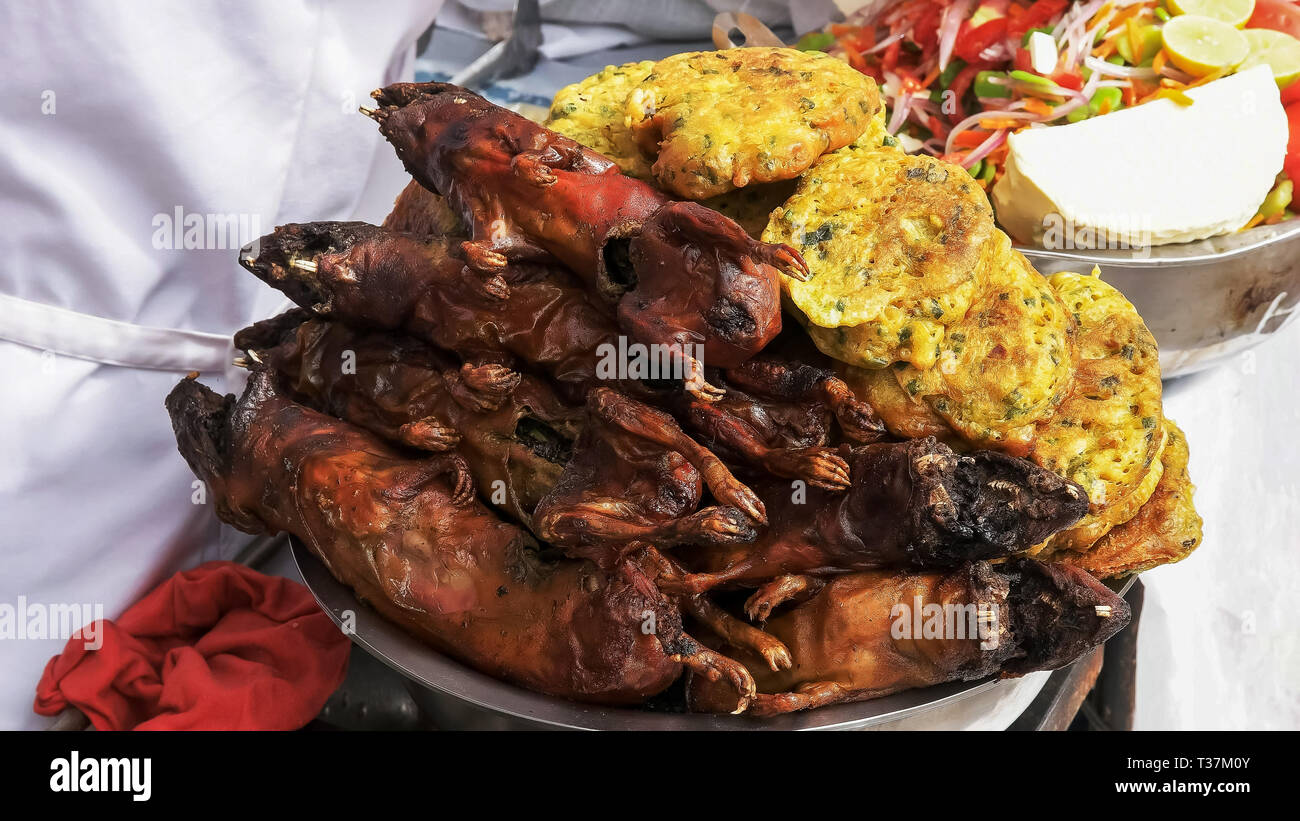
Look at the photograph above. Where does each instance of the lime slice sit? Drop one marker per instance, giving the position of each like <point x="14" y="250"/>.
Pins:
<point x="1275" y="49"/>
<point x="1201" y="45"/>
<point x="1233" y="12"/>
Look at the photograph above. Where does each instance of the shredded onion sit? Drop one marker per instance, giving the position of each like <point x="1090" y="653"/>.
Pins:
<point x="1081" y="98"/>
<point x="927" y="105"/>
<point x="1078" y="39"/>
<point x="949" y="24"/>
<point x="899" y="116"/>
<point x="1112" y="70"/>
<point x="996" y="53"/>
<point x="1089" y="10"/>
<point x="918" y="116"/>
<point x="1176" y="75"/>
<point x="1090" y="87"/>
<point x="1074" y="39"/>
<point x="974" y="119"/>
<point x="985" y="148"/>
<point x="887" y="42"/>
<point x="1073" y="44"/>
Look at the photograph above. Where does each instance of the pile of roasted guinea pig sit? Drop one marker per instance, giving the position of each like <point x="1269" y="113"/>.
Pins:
<point x="548" y="418"/>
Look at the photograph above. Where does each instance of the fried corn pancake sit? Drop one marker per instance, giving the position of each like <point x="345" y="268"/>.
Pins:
<point x="877" y="134"/>
<point x="1109" y="432"/>
<point x="1165" y="530"/>
<point x="718" y="120"/>
<point x="752" y="206"/>
<point x="896" y="245"/>
<point x="591" y="112"/>
<point x="1007" y="364"/>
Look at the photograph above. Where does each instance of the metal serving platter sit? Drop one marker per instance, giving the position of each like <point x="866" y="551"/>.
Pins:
<point x="1205" y="301"/>
<point x="458" y="697"/>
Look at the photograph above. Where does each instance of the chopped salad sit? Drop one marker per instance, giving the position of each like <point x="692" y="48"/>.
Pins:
<point x="958" y="76"/>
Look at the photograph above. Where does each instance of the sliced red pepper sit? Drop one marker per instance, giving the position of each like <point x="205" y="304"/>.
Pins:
<point x="1023" y="61"/>
<point x="890" y="59"/>
<point x="937" y="128"/>
<point x="1069" y="79"/>
<point x="972" y="42"/>
<point x="863" y="40"/>
<point x="909" y="83"/>
<point x="960" y="85"/>
<point x="1036" y="16"/>
<point x="925" y="31"/>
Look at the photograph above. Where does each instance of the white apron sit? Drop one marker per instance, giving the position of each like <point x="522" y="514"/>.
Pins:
<point x="141" y="144"/>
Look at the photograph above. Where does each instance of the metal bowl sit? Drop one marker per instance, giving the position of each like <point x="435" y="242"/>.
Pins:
<point x="455" y="696"/>
<point x="1205" y="301"/>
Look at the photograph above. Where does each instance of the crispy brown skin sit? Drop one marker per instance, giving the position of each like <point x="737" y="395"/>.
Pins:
<point x="510" y="427"/>
<point x="679" y="272"/>
<point x="490" y="165"/>
<point x="636" y="479"/>
<point x="372" y="278"/>
<point x="444" y="567"/>
<point x="913" y="504"/>
<point x="776" y="419"/>
<point x="843" y="641"/>
<point x="422" y="214"/>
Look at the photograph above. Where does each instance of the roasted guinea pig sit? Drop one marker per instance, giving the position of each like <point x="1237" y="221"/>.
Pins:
<point x="913" y="504"/>
<point x="867" y="635"/>
<point x="369" y="277"/>
<point x="779" y="418"/>
<point x="635" y="479"/>
<point x="511" y="427"/>
<point x="416" y="545"/>
<point x="680" y="274"/>
<point x="631" y="476"/>
<point x="631" y="479"/>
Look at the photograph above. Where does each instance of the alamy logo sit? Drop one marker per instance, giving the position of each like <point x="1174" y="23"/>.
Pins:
<point x="128" y="775"/>
<point x="36" y="620"/>
<point x="207" y="232"/>
<point x="1126" y="232"/>
<point x="654" y="361"/>
<point x="945" y="621"/>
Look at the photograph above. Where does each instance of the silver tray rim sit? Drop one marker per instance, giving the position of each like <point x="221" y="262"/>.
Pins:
<point x="442" y="674"/>
<point x="1182" y="254"/>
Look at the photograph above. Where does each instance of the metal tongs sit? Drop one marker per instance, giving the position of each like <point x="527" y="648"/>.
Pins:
<point x="515" y="55"/>
<point x="753" y="31"/>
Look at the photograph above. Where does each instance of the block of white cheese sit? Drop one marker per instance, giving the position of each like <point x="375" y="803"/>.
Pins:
<point x="1154" y="174"/>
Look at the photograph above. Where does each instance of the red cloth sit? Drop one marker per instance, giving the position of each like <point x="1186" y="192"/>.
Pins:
<point x="219" y="647"/>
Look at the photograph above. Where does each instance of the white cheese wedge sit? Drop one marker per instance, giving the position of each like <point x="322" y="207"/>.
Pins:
<point x="1042" y="52"/>
<point x="1154" y="174"/>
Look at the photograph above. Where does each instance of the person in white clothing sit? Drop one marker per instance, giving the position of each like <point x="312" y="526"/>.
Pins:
<point x="141" y="143"/>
